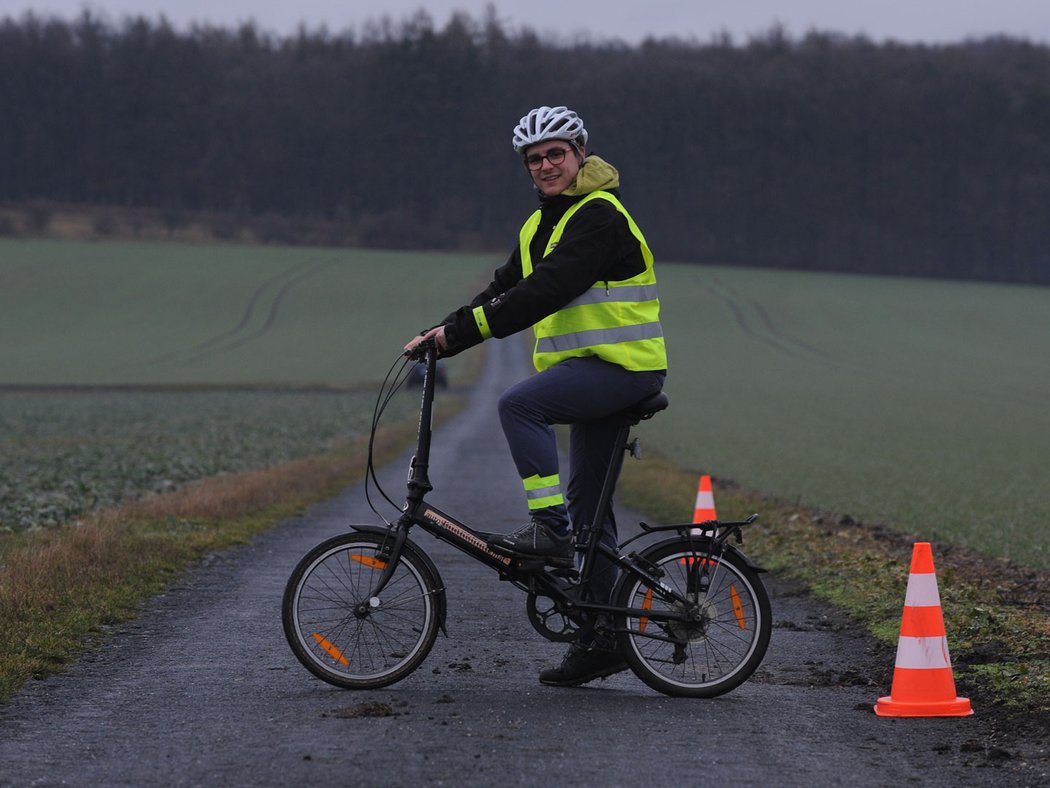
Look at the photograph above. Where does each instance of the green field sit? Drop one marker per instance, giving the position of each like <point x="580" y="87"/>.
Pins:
<point x="63" y="454"/>
<point x="919" y="404"/>
<point x="120" y="313"/>
<point x="115" y="316"/>
<point x="916" y="403"/>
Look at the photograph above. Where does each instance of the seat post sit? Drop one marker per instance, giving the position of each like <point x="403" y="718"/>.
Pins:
<point x="641" y="410"/>
<point x="592" y="529"/>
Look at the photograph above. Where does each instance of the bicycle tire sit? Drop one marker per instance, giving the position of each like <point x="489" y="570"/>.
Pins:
<point x="722" y="648"/>
<point x="345" y="635"/>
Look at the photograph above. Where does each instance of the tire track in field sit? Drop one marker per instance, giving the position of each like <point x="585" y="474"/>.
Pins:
<point x="271" y="317"/>
<point x="236" y="336"/>
<point x="768" y="334"/>
<point x="765" y="332"/>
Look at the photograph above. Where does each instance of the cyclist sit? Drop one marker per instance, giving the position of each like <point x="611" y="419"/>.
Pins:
<point x="582" y="277"/>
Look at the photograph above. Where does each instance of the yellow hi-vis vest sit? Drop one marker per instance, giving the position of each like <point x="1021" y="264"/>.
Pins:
<point x="618" y="321"/>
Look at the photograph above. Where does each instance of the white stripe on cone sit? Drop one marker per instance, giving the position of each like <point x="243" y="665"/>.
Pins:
<point x="704" y="509"/>
<point x="923" y="653"/>
<point x="922" y="591"/>
<point x="705" y="499"/>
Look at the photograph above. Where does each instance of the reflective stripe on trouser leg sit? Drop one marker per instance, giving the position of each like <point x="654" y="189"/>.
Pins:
<point x="543" y="491"/>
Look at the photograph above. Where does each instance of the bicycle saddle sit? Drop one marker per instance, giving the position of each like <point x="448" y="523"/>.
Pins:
<point x="646" y="408"/>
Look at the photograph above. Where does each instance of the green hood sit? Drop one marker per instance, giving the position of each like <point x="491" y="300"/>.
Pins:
<point x="596" y="174"/>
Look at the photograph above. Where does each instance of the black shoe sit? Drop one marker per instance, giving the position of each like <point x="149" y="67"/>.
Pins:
<point x="582" y="664"/>
<point x="535" y="540"/>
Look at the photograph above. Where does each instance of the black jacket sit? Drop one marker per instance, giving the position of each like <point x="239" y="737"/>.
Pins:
<point x="597" y="246"/>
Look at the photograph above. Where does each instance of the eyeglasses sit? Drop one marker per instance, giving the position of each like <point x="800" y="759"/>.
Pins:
<point x="555" y="156"/>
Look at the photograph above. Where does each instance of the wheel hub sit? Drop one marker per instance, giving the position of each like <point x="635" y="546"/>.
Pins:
<point x="365" y="608"/>
<point x="695" y="628"/>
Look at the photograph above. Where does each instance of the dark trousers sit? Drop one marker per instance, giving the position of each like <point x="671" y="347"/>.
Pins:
<point x="584" y="393"/>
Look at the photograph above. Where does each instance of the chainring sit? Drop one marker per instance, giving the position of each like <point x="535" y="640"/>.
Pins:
<point x="550" y="620"/>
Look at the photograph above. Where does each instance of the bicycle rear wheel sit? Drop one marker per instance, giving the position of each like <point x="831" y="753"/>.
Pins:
<point x="727" y="633"/>
<point x="345" y="634"/>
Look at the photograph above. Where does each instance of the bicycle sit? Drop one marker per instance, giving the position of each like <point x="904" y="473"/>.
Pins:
<point x="362" y="610"/>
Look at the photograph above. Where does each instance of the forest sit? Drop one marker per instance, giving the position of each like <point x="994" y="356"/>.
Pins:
<point x="819" y="152"/>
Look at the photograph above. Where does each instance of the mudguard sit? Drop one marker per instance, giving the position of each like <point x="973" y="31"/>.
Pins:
<point x="704" y="542"/>
<point x="700" y="541"/>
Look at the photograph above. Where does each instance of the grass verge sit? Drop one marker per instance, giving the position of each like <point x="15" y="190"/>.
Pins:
<point x="995" y="611"/>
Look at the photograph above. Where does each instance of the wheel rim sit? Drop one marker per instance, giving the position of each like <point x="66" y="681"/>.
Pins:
<point x="719" y="642"/>
<point x="349" y="631"/>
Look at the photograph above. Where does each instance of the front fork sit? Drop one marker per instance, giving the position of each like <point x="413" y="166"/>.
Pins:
<point x="394" y="540"/>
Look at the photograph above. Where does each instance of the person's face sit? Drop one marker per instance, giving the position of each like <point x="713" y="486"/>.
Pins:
<point x="553" y="178"/>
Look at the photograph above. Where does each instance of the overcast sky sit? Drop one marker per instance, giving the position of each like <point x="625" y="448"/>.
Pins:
<point x="933" y="21"/>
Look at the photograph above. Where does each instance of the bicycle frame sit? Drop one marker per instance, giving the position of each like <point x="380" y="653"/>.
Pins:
<point x="531" y="575"/>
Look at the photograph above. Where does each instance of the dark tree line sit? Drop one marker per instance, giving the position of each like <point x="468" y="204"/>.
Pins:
<point x="821" y="152"/>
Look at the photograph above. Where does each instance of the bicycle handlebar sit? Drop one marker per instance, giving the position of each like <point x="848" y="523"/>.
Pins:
<point x="419" y="352"/>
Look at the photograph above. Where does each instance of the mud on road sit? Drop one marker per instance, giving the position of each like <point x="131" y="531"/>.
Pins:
<point x="203" y="689"/>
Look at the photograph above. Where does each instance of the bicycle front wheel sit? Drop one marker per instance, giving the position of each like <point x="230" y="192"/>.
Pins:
<point x="727" y="626"/>
<point x="343" y="632"/>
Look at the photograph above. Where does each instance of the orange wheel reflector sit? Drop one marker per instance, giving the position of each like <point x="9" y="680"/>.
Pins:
<point x="333" y="652"/>
<point x="738" y="608"/>
<point x="368" y="560"/>
<point x="647" y="604"/>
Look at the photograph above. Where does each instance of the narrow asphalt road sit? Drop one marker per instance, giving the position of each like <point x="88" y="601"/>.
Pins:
<point x="203" y="690"/>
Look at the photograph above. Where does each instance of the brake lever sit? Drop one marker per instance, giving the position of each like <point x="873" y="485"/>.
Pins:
<point x="419" y="352"/>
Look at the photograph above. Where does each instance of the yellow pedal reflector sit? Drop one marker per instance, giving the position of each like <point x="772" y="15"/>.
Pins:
<point x="333" y="652"/>
<point x="368" y="560"/>
<point x="647" y="604"/>
<point x="738" y="608"/>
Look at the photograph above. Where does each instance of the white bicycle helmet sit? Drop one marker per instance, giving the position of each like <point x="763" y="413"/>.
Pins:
<point x="548" y="123"/>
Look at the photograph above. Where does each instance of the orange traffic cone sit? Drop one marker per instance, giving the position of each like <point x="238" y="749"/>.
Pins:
<point x="705" y="506"/>
<point x="923" y="682"/>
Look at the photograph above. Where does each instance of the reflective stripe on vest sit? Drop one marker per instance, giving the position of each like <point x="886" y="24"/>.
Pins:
<point x="618" y="321"/>
<point x="598" y="336"/>
<point x="598" y="295"/>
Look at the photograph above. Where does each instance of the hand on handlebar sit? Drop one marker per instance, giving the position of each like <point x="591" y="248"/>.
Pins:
<point x="436" y="334"/>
